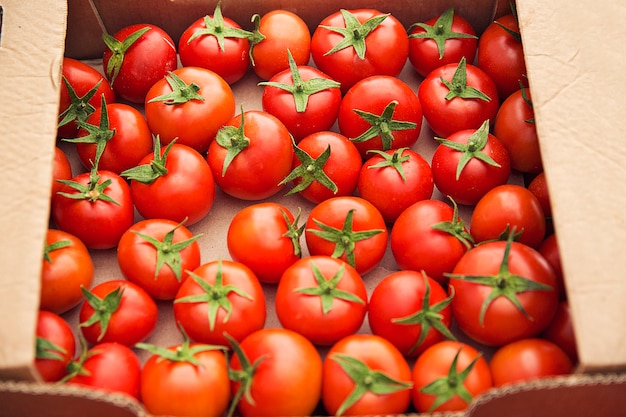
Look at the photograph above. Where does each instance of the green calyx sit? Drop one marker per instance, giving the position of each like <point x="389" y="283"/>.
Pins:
<point x="456" y="227"/>
<point x="458" y="85"/>
<point x="446" y="387"/>
<point x="59" y="244"/>
<point x="148" y="173"/>
<point x="168" y="252"/>
<point x="327" y="289"/>
<point x="310" y="170"/>
<point x="354" y="33"/>
<point x="527" y="100"/>
<point x="92" y="192"/>
<point x="504" y="283"/>
<point x="77" y="367"/>
<point x="294" y="231"/>
<point x="382" y="125"/>
<point x="302" y="90"/>
<point x="427" y="317"/>
<point x="46" y="349"/>
<point x="181" y="91"/>
<point x="242" y="376"/>
<point x="365" y="380"/>
<point x="103" y="308"/>
<point x="395" y="160"/>
<point x="256" y="36"/>
<point x="440" y="31"/>
<point x="216" y="296"/>
<point x="119" y="49"/>
<point x="233" y="140"/>
<point x="80" y="108"/>
<point x="214" y="26"/>
<point x="472" y="149"/>
<point x="345" y="239"/>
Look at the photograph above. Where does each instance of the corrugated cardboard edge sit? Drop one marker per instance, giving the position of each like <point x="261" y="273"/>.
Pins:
<point x="576" y="69"/>
<point x="31" y="51"/>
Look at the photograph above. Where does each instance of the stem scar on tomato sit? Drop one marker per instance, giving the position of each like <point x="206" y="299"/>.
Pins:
<point x="354" y="33"/>
<point x="441" y="31"/>
<point x="382" y="125"/>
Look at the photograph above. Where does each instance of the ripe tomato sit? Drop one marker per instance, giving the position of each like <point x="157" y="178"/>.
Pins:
<point x="220" y="297"/>
<point x="528" y="359"/>
<point x="216" y="43"/>
<point x="96" y="207"/>
<point x="395" y="179"/>
<point x="549" y="248"/>
<point x="560" y="331"/>
<point x="266" y="238"/>
<point x="411" y="310"/>
<point x="429" y="236"/>
<point x="365" y="374"/>
<point x="457" y="97"/>
<point x="116" y="135"/>
<point x="469" y="163"/>
<point x="61" y="170"/>
<point x="349" y="228"/>
<point x="110" y="367"/>
<point x="322" y="298"/>
<point x="251" y="155"/>
<point x="185" y="380"/>
<point x="325" y="164"/>
<point x="277" y="33"/>
<point x="66" y="267"/>
<point x="175" y="183"/>
<point x="156" y="254"/>
<point x="136" y="57"/>
<point x="515" y="126"/>
<point x="55" y="346"/>
<point x="302" y="97"/>
<point x="448" y="376"/>
<point x="539" y="187"/>
<point x="117" y="311"/>
<point x="193" y="97"/>
<point x="439" y="41"/>
<point x="501" y="55"/>
<point x="380" y="113"/>
<point x="350" y="45"/>
<point x="507" y="208"/>
<point x="263" y="379"/>
<point x="503" y="291"/>
<point x="81" y="93"/>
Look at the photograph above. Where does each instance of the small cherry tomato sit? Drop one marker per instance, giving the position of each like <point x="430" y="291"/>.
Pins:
<point x="55" y="346"/>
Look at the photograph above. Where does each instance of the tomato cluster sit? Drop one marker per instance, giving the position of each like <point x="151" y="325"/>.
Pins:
<point x="392" y="255"/>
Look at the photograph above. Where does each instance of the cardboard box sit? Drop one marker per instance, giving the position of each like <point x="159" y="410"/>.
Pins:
<point x="573" y="75"/>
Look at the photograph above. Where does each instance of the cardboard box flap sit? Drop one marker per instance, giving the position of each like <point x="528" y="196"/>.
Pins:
<point x="576" y="70"/>
<point x="31" y="51"/>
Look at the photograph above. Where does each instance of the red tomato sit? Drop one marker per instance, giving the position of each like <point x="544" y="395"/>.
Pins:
<point x="350" y="45"/>
<point x="365" y="374"/>
<point x="55" y="346"/>
<point x="66" y="267"/>
<point x="305" y="99"/>
<point x="429" y="236"/>
<point x="442" y="40"/>
<point x="411" y="310"/>
<point x="193" y="97"/>
<point x="61" y="170"/>
<point x="549" y="248"/>
<point x="263" y="377"/>
<point x="503" y="291"/>
<point x="185" y="380"/>
<point x="117" y="311"/>
<point x="216" y="43"/>
<point x="457" y="97"/>
<point x="325" y="164"/>
<point x="469" y="163"/>
<point x="81" y="94"/>
<point x="395" y="179"/>
<point x="175" y="183"/>
<point x="507" y="208"/>
<point x="539" y="187"/>
<point x="277" y="33"/>
<point x="156" y="255"/>
<point x="349" y="228"/>
<point x="266" y="238"/>
<point x="528" y="359"/>
<point x="501" y="55"/>
<point x="448" y="376"/>
<point x="96" y="207"/>
<point x="220" y="297"/>
<point x="109" y="367"/>
<point x="116" y="135"/>
<point x="380" y="113"/>
<point x="136" y="57"/>
<point x="251" y="155"/>
<point x="515" y="126"/>
<point x="560" y="331"/>
<point x="322" y="298"/>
